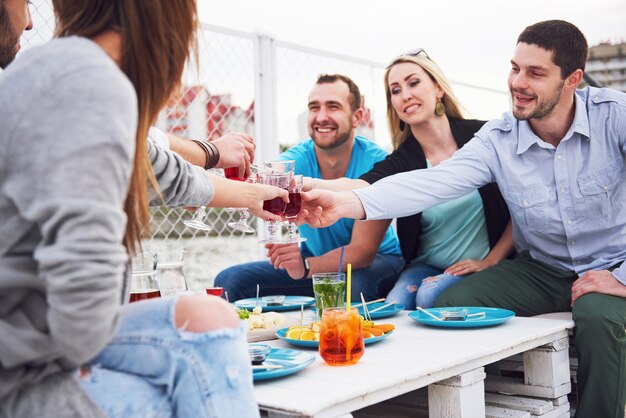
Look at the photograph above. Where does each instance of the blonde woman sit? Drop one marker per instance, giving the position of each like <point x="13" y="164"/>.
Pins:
<point x="445" y="243"/>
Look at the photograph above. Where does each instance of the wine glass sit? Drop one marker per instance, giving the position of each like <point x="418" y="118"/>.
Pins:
<point x="276" y="205"/>
<point x="197" y="222"/>
<point x="241" y="225"/>
<point x="281" y="166"/>
<point x="293" y="208"/>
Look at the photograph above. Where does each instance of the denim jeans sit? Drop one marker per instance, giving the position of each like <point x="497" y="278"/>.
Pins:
<point x="240" y="281"/>
<point x="151" y="369"/>
<point x="410" y="291"/>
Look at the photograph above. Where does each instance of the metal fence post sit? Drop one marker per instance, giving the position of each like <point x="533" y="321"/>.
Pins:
<point x="266" y="132"/>
<point x="265" y="108"/>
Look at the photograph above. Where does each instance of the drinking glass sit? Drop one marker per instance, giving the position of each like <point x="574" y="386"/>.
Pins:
<point x="242" y="224"/>
<point x="281" y="166"/>
<point x="276" y="205"/>
<point x="293" y="208"/>
<point x="197" y="222"/>
<point x="144" y="285"/>
<point x="329" y="290"/>
<point x="341" y="337"/>
<point x="215" y="291"/>
<point x="170" y="272"/>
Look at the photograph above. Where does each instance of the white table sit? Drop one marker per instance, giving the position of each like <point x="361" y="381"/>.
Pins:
<point x="414" y="356"/>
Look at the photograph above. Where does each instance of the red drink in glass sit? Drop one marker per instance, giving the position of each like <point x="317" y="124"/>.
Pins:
<point x="277" y="206"/>
<point x="215" y="291"/>
<point x="144" y="295"/>
<point x="293" y="207"/>
<point x="232" y="173"/>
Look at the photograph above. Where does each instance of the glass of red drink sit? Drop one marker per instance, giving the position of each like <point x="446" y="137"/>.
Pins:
<point x="215" y="291"/>
<point x="277" y="205"/>
<point x="341" y="337"/>
<point x="293" y="208"/>
<point x="241" y="225"/>
<point x="144" y="286"/>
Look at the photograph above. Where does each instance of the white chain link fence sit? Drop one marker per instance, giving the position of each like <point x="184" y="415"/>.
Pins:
<point x="249" y="82"/>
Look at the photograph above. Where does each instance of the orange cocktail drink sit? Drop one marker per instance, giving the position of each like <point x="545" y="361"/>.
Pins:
<point x="341" y="338"/>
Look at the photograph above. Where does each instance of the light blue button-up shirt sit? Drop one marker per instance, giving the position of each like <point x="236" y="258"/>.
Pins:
<point x="567" y="204"/>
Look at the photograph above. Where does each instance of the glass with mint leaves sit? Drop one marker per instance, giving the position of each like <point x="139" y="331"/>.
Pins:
<point x="329" y="290"/>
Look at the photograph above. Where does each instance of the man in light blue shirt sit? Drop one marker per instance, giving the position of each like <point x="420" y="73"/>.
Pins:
<point x="559" y="160"/>
<point x="333" y="151"/>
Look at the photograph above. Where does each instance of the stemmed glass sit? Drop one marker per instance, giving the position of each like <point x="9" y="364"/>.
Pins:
<point x="241" y="225"/>
<point x="276" y="205"/>
<point x="197" y="222"/>
<point x="293" y="208"/>
<point x="281" y="166"/>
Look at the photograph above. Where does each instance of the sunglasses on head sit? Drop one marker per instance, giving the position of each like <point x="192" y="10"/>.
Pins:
<point x="411" y="53"/>
<point x="415" y="52"/>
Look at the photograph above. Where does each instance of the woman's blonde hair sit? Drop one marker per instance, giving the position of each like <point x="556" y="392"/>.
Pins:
<point x="449" y="99"/>
<point x="157" y="38"/>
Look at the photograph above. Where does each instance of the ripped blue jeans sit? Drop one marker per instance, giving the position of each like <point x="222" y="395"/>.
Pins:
<point x="151" y="369"/>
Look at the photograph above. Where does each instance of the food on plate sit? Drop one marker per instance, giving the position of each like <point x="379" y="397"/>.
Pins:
<point x="385" y="328"/>
<point x="243" y="314"/>
<point x="257" y="319"/>
<point x="302" y="334"/>
<point x="311" y="332"/>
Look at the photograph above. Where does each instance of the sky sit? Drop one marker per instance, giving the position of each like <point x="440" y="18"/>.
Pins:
<point x="472" y="41"/>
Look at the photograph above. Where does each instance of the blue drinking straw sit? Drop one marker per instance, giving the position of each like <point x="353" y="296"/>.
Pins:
<point x="341" y="259"/>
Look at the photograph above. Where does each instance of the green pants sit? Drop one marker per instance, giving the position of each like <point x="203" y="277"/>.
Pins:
<point x="529" y="287"/>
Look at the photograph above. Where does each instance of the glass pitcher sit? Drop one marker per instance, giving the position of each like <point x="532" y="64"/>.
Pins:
<point x="170" y="272"/>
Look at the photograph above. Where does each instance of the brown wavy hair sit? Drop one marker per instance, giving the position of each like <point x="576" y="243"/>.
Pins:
<point x="158" y="37"/>
<point x="454" y="108"/>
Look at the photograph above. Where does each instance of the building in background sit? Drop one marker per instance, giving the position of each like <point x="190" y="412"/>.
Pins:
<point x="197" y="114"/>
<point x="607" y="64"/>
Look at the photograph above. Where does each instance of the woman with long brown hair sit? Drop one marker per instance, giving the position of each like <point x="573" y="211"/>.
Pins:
<point x="73" y="203"/>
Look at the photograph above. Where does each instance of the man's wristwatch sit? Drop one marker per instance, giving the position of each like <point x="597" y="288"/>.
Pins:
<point x="307" y="268"/>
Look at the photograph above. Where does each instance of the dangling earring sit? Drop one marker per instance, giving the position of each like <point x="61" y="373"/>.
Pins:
<point x="440" y="108"/>
<point x="402" y="125"/>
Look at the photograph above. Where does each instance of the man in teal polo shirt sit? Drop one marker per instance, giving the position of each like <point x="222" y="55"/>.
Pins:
<point x="332" y="152"/>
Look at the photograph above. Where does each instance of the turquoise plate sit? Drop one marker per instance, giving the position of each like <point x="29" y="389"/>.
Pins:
<point x="383" y="313"/>
<point x="291" y="360"/>
<point x="315" y="344"/>
<point x="493" y="316"/>
<point x="291" y="303"/>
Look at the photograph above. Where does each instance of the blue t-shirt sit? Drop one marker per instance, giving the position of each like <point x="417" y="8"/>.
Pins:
<point x="365" y="154"/>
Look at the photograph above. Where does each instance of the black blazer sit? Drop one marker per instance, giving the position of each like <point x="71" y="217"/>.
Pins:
<point x="410" y="156"/>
